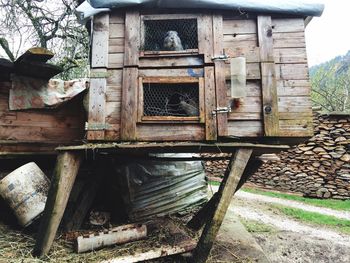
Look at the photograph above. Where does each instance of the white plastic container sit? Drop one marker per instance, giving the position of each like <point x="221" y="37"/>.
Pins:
<point x="25" y="190"/>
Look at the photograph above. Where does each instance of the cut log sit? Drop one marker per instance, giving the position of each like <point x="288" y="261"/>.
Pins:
<point x="117" y="235"/>
<point x="162" y="251"/>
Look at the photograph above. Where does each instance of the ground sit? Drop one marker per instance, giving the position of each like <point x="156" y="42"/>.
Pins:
<point x="285" y="239"/>
<point x="273" y="234"/>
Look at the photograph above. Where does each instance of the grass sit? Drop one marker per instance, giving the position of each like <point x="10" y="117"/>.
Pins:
<point x="316" y="218"/>
<point x="253" y="226"/>
<point x="329" y="203"/>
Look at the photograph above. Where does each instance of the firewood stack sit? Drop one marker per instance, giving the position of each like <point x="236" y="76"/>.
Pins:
<point x="318" y="168"/>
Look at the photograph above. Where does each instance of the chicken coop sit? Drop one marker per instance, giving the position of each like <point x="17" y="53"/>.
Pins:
<point x="205" y="76"/>
<point x="191" y="76"/>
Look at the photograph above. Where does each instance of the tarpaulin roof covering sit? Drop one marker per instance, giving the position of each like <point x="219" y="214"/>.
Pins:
<point x="292" y="7"/>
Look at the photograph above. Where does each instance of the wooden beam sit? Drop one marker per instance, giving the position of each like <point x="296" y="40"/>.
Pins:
<point x="97" y="106"/>
<point x="132" y="38"/>
<point x="268" y="76"/>
<point x="205" y="37"/>
<point x="201" y="217"/>
<point x="210" y="104"/>
<point x="100" y="37"/>
<point x="220" y="79"/>
<point x="129" y="104"/>
<point x="65" y="172"/>
<point x="232" y="177"/>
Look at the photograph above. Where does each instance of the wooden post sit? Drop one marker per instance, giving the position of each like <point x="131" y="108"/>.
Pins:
<point x="232" y="177"/>
<point x="268" y="76"/>
<point x="201" y="217"/>
<point x="65" y="172"/>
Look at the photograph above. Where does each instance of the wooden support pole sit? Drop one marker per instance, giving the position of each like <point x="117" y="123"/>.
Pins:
<point x="201" y="217"/>
<point x="65" y="172"/>
<point x="232" y="177"/>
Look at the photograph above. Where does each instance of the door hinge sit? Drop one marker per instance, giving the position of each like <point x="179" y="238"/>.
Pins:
<point x="96" y="126"/>
<point x="221" y="110"/>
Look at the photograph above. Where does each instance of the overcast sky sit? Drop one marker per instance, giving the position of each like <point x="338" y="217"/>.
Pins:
<point x="329" y="35"/>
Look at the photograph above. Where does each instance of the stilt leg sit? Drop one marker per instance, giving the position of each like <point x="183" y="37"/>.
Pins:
<point x="65" y="172"/>
<point x="232" y="177"/>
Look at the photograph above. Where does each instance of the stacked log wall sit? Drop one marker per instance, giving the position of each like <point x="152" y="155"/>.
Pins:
<point x="318" y="168"/>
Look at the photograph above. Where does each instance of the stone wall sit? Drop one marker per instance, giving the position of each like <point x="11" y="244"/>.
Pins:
<point x="318" y="168"/>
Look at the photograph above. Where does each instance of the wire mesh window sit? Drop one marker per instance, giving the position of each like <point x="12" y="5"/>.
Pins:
<point x="170" y="35"/>
<point x="171" y="99"/>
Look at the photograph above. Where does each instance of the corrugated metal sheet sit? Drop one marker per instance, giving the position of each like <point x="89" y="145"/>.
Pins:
<point x="160" y="187"/>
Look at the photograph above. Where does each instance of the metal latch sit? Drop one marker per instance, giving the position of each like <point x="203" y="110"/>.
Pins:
<point x="96" y="126"/>
<point x="221" y="110"/>
<point x="221" y="57"/>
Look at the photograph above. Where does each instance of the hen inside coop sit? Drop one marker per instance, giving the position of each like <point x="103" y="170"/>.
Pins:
<point x="171" y="99"/>
<point x="170" y="35"/>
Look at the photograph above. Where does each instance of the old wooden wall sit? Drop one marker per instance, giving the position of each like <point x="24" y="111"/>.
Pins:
<point x="39" y="130"/>
<point x="291" y="70"/>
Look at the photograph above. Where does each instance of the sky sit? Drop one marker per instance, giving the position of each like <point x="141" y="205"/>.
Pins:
<point x="328" y="36"/>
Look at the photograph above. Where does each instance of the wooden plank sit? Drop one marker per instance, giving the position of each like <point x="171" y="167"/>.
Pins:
<point x="238" y="41"/>
<point x="245" y="128"/>
<point x="170" y="79"/>
<point x="170" y="132"/>
<point x="246" y="26"/>
<point x="129" y="104"/>
<point x="116" y="45"/>
<point x="284" y="91"/>
<point x="114" y="93"/>
<point x="289" y="40"/>
<point x="115" y="77"/>
<point x="251" y="53"/>
<point x="210" y="104"/>
<point x="116" y="31"/>
<point x="65" y="172"/>
<point x="177" y="146"/>
<point x="265" y="39"/>
<point x="188" y="61"/>
<point x="220" y="81"/>
<point x="172" y="72"/>
<point x="292" y="71"/>
<point x="97" y="103"/>
<point x="113" y="113"/>
<point x="116" y="60"/>
<point x="116" y="17"/>
<point x="205" y="37"/>
<point x="132" y="38"/>
<point x="290" y="55"/>
<point x="231" y="179"/>
<point x="288" y="25"/>
<point x="269" y="99"/>
<point x="253" y="71"/>
<point x="268" y="76"/>
<point x="99" y="52"/>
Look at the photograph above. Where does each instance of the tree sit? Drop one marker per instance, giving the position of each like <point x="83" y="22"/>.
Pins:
<point x="48" y="24"/>
<point x="331" y="85"/>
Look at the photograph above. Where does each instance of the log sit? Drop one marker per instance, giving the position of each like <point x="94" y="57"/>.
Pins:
<point x="66" y="170"/>
<point x="162" y="251"/>
<point x="117" y="235"/>
<point x="232" y="177"/>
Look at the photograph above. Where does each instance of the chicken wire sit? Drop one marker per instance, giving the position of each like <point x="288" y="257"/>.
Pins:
<point x="170" y="99"/>
<point x="155" y="32"/>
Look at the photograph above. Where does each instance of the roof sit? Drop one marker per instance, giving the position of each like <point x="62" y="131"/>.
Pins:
<point x="292" y="7"/>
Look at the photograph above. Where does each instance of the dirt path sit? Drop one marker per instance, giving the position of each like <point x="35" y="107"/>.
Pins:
<point x="294" y="204"/>
<point x="292" y="241"/>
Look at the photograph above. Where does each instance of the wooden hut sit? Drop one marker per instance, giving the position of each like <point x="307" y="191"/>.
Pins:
<point x="192" y="76"/>
<point x="139" y="87"/>
<point x="35" y="130"/>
